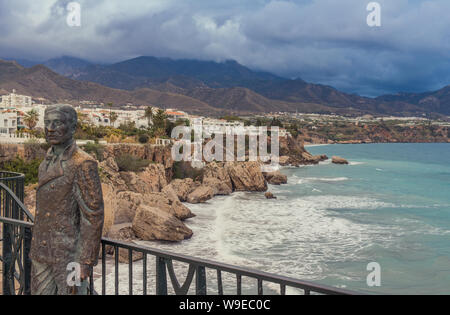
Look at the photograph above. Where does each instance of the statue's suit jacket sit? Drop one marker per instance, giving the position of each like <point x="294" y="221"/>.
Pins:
<point x="69" y="209"/>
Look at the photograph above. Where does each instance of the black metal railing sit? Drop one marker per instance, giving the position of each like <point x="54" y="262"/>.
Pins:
<point x="16" y="224"/>
<point x="15" y="227"/>
<point x="197" y="267"/>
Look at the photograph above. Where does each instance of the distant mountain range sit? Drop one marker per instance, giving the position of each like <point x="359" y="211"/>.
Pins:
<point x="203" y="86"/>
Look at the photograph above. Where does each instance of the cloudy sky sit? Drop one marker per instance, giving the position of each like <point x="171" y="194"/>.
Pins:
<point x="320" y="41"/>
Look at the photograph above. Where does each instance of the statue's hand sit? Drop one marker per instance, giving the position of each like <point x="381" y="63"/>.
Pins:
<point x="85" y="272"/>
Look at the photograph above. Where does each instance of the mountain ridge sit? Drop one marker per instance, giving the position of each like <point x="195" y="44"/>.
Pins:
<point x="230" y="86"/>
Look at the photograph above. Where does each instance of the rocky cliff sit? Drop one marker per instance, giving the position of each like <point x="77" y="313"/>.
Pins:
<point x="147" y="204"/>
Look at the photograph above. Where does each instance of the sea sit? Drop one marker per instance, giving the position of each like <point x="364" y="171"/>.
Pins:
<point x="390" y="206"/>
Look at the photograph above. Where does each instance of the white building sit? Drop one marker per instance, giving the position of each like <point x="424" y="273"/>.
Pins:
<point x="16" y="100"/>
<point x="8" y="122"/>
<point x="101" y="117"/>
<point x="174" y="115"/>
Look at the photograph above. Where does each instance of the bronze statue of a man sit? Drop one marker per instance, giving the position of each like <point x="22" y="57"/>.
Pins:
<point x="69" y="210"/>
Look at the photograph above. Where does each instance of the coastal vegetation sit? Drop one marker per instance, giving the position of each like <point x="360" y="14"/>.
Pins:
<point x="19" y="165"/>
<point x="131" y="163"/>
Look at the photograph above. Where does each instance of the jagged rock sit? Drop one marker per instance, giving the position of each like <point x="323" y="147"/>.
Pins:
<point x="283" y="160"/>
<point x="275" y="178"/>
<point x="293" y="152"/>
<point x="180" y="211"/>
<point x="218" y="171"/>
<point x="152" y="179"/>
<point x="269" y="195"/>
<point x="338" y="160"/>
<point x="128" y="202"/>
<point x="110" y="163"/>
<point x="246" y="176"/>
<point x="183" y="187"/>
<point x="123" y="232"/>
<point x="109" y="174"/>
<point x="109" y="196"/>
<point x="321" y="157"/>
<point x="159" y="154"/>
<point x="201" y="194"/>
<point x="152" y="224"/>
<point x="219" y="187"/>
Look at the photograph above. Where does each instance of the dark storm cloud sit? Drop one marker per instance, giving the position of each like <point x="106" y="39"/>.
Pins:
<point x="323" y="41"/>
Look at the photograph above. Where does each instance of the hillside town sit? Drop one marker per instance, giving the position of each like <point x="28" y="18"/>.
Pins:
<point x="22" y="119"/>
<point x="20" y="114"/>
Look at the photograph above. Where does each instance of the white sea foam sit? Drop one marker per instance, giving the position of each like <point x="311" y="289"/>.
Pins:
<point x="356" y="163"/>
<point x="322" y="179"/>
<point x="297" y="237"/>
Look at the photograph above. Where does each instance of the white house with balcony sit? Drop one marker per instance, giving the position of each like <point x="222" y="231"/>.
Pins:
<point x="8" y="122"/>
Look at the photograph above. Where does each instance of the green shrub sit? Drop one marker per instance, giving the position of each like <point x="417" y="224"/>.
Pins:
<point x="143" y="138"/>
<point x="183" y="169"/>
<point x="131" y="163"/>
<point x="94" y="148"/>
<point x="29" y="169"/>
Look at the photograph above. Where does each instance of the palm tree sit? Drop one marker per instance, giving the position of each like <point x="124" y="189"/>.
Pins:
<point x="110" y="105"/>
<point x="113" y="116"/>
<point x="149" y="115"/>
<point x="31" y="119"/>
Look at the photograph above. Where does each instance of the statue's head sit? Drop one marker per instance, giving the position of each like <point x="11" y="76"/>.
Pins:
<point x="60" y="124"/>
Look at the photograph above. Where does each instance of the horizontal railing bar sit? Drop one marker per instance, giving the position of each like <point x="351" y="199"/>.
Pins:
<point x="16" y="222"/>
<point x="17" y="200"/>
<point x="12" y="177"/>
<point x="242" y="271"/>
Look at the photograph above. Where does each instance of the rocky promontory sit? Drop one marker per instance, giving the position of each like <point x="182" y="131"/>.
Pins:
<point x="149" y="203"/>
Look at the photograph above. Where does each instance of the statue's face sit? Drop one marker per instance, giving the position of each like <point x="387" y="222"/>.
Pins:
<point x="57" y="128"/>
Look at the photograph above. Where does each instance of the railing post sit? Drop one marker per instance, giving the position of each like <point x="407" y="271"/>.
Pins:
<point x="200" y="281"/>
<point x="27" y="261"/>
<point x="8" y="277"/>
<point x="161" y="276"/>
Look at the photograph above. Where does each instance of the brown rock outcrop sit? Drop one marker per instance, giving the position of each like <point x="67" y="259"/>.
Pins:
<point x="152" y="179"/>
<point x="283" y="160"/>
<point x="183" y="187"/>
<point x="219" y="187"/>
<point x="338" y="160"/>
<point x="152" y="224"/>
<point x="158" y="154"/>
<point x="128" y="202"/>
<point x="123" y="232"/>
<point x="218" y="171"/>
<point x="275" y="178"/>
<point x="179" y="210"/>
<point x="109" y="201"/>
<point x="109" y="174"/>
<point x="125" y="206"/>
<point x="246" y="176"/>
<point x="201" y="194"/>
<point x="269" y="195"/>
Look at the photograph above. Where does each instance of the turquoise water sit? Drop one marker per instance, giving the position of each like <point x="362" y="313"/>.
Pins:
<point x="391" y="205"/>
<point x="407" y="187"/>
